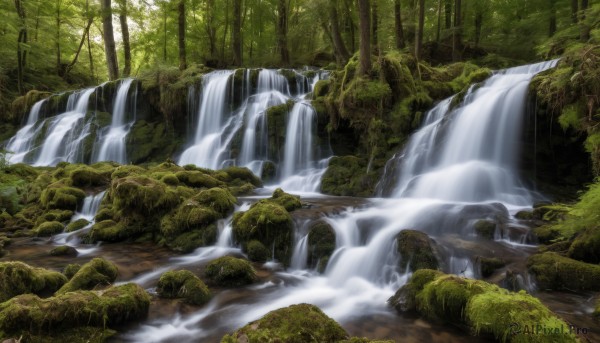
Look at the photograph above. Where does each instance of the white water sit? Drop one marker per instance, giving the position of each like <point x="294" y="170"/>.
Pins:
<point x="21" y="143"/>
<point x="65" y="132"/>
<point x="469" y="158"/>
<point x="88" y="211"/>
<point x="113" y="146"/>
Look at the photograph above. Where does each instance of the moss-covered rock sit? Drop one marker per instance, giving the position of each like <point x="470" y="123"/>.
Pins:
<point x="97" y="272"/>
<point x="268" y="223"/>
<point x="490" y="264"/>
<point x="524" y="215"/>
<point x="49" y="228"/>
<point x="71" y="269"/>
<point x="77" y="225"/>
<point x="288" y="201"/>
<point x="64" y="250"/>
<point x="242" y="174"/>
<point x="477" y="306"/>
<point x="61" y="197"/>
<point x="55" y="215"/>
<point x="321" y="244"/>
<point x="111" y="231"/>
<point x="183" y="284"/>
<point x="115" y="306"/>
<point x="85" y="176"/>
<point x="229" y="271"/>
<point x="553" y="271"/>
<point x="143" y="195"/>
<point x="485" y="228"/>
<point x="416" y="250"/>
<point x="21" y="106"/>
<point x="347" y="176"/>
<point x="294" y="324"/>
<point x="19" y="278"/>
<point x="257" y="251"/>
<point x="586" y="246"/>
<point x="198" y="179"/>
<point x="218" y="199"/>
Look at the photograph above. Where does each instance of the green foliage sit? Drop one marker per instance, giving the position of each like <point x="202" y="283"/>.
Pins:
<point x="183" y="284"/>
<point x="294" y="324"/>
<point x="229" y="271"/>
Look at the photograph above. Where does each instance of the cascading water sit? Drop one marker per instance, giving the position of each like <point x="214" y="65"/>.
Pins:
<point x="88" y="211"/>
<point x="20" y="145"/>
<point x="113" y="147"/>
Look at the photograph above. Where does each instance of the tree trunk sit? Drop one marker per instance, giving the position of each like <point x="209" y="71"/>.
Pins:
<point x="59" y="70"/>
<point x="210" y="28"/>
<point x="89" y="45"/>
<point x="448" y="13"/>
<point x="181" y="34"/>
<point x="584" y="34"/>
<point x="439" y="22"/>
<point x="552" y="23"/>
<point x="400" y="44"/>
<point x="22" y="39"/>
<point x="225" y="32"/>
<point x="81" y="42"/>
<point x="109" y="40"/>
<point x="282" y="32"/>
<point x="336" y="37"/>
<point x="165" y="33"/>
<point x="574" y="10"/>
<point x="125" y="33"/>
<point x="457" y="32"/>
<point x="364" y="16"/>
<point x="419" y="33"/>
<point x="478" y="26"/>
<point x="237" y="33"/>
<point x="374" y="19"/>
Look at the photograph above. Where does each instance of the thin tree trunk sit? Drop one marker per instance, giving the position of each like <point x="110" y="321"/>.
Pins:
<point x="282" y="32"/>
<point x="448" y="13"/>
<point x="552" y="23"/>
<point x="109" y="40"/>
<point x="237" y="33"/>
<point x="225" y="32"/>
<point x="439" y="22"/>
<point x="22" y="39"/>
<point x="165" y="33"/>
<point x="336" y="37"/>
<point x="584" y="35"/>
<point x="125" y="34"/>
<point x="181" y="34"/>
<point x="210" y="30"/>
<point x="478" y="26"/>
<point x="89" y="45"/>
<point x="574" y="11"/>
<point x="37" y="24"/>
<point x="400" y="44"/>
<point x="457" y="32"/>
<point x="59" y="70"/>
<point x="374" y="18"/>
<point x="419" y="34"/>
<point x="81" y="42"/>
<point x="364" y="16"/>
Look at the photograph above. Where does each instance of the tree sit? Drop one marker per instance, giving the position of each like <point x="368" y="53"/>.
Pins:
<point x="125" y="34"/>
<point x="282" y="32"/>
<point x="338" y="43"/>
<point x="419" y="33"/>
<point x="552" y="16"/>
<point x="181" y="34"/>
<point x="364" y="16"/>
<point x="21" y="42"/>
<point x="457" y="32"/>
<point x="59" y="69"/>
<point x="374" y="19"/>
<point x="399" y="31"/>
<point x="237" y="33"/>
<point x="109" y="40"/>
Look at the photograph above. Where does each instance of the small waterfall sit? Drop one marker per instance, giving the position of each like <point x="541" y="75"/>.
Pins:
<point x="88" y="211"/>
<point x="300" y="254"/>
<point x="299" y="147"/>
<point x="113" y="146"/>
<point x="20" y="145"/>
<point x="66" y="132"/>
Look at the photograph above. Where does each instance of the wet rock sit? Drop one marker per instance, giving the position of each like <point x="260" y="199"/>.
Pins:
<point x="183" y="284"/>
<point x="485" y="229"/>
<point x="489" y="265"/>
<point x="97" y="272"/>
<point x="296" y="323"/>
<point x="85" y="176"/>
<point x="59" y="196"/>
<point x="288" y="201"/>
<point x="64" y="250"/>
<point x="404" y="299"/>
<point x="321" y="244"/>
<point x="524" y="215"/>
<point x="556" y="272"/>
<point x="417" y="250"/>
<point x="229" y="271"/>
<point x="257" y="251"/>
<point x="19" y="278"/>
<point x="586" y="246"/>
<point x="71" y="269"/>
<point x="49" y="229"/>
<point x="77" y="225"/>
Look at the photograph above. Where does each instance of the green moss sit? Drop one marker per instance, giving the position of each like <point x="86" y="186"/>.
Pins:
<point x="58" y="196"/>
<point x="19" y="278"/>
<point x="49" y="229"/>
<point x="143" y="195"/>
<point x="87" y="177"/>
<point x="128" y="170"/>
<point x="64" y="250"/>
<point x="55" y="215"/>
<point x="268" y="223"/>
<point x="104" y="214"/>
<point x="597" y="309"/>
<point x="97" y="272"/>
<point x="111" y="231"/>
<point x="197" y="179"/>
<point x="170" y="179"/>
<point x="416" y="250"/>
<point x="189" y="241"/>
<point x="71" y="269"/>
<point x="115" y="306"/>
<point x="524" y="215"/>
<point x="218" y="199"/>
<point x="556" y="272"/>
<point x="21" y="105"/>
<point x="347" y="176"/>
<point x="405" y="299"/>
<point x="485" y="228"/>
<point x="490" y="264"/>
<point x="229" y="271"/>
<point x="321" y="244"/>
<point x="257" y="251"/>
<point x="183" y="284"/>
<point x="77" y="225"/>
<point x="288" y="201"/>
<point x="293" y="324"/>
<point x="586" y="246"/>
<point x="243" y="174"/>
<point x="321" y="88"/>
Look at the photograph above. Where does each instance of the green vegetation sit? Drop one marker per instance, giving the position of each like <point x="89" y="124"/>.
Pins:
<point x="183" y="284"/>
<point x="321" y="244"/>
<point x="229" y="271"/>
<point x="416" y="250"/>
<point x="97" y="272"/>
<point x="553" y="271"/>
<point x="19" y="278"/>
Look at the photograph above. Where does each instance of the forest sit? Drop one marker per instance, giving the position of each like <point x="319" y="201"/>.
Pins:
<point x="300" y="171"/>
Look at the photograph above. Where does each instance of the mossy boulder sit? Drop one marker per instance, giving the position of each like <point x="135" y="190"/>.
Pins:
<point x="293" y="324"/>
<point x="19" y="278"/>
<point x="257" y="251"/>
<point x="586" y="246"/>
<point x="596" y="312"/>
<point x="485" y="228"/>
<point x="269" y="223"/>
<point x="556" y="272"/>
<point x="477" y="306"/>
<point x="64" y="250"/>
<point x="243" y="175"/>
<point x="71" y="269"/>
<point x="97" y="272"/>
<point x="49" y="229"/>
<point x="197" y="179"/>
<point x="32" y="315"/>
<point x="489" y="265"/>
<point x="61" y="197"/>
<point x="111" y="231"/>
<point x="229" y="271"/>
<point x="524" y="215"/>
<point x="143" y="195"/>
<point x="85" y="176"/>
<point x="416" y="250"/>
<point x="183" y="284"/>
<point x="347" y="176"/>
<point x="55" y="215"/>
<point x="77" y="225"/>
<point x="321" y="244"/>
<point x="288" y="201"/>
<point x="218" y="199"/>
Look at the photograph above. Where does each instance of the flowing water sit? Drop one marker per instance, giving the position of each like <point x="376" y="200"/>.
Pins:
<point x="88" y="211"/>
<point x="21" y="144"/>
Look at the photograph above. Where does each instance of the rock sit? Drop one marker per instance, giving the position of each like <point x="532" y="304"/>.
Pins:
<point x="49" y="229"/>
<point x="19" y="278"/>
<point x="294" y="324"/>
<point x="59" y="196"/>
<point x="77" y="225"/>
<point x="71" y="269"/>
<point x="197" y="179"/>
<point x="97" y="272"/>
<point x="524" y="215"/>
<point x="183" y="284"/>
<point x="489" y="265"/>
<point x="485" y="229"/>
<point x="257" y="251"/>
<point x="288" y="201"/>
<point x="417" y="250"/>
<point x="404" y="300"/>
<point x="321" y="244"/>
<point x="556" y="272"/>
<point x="229" y="271"/>
<point x="64" y="250"/>
<point x="586" y="246"/>
<point x="142" y="195"/>
<point x="242" y="174"/>
<point x="85" y="176"/>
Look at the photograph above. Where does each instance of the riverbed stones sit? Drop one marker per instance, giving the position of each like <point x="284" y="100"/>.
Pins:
<point x="64" y="250"/>
<point x="321" y="244"/>
<point x="183" y="284"/>
<point x="97" y="272"/>
<point x="19" y="278"/>
<point x="555" y="272"/>
<point x="228" y="271"/>
<point x="416" y="250"/>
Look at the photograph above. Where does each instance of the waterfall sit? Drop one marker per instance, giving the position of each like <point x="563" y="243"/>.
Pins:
<point x="91" y="205"/>
<point x="113" y="147"/>
<point x="65" y="132"/>
<point x="20" y="145"/>
<point x="299" y="146"/>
